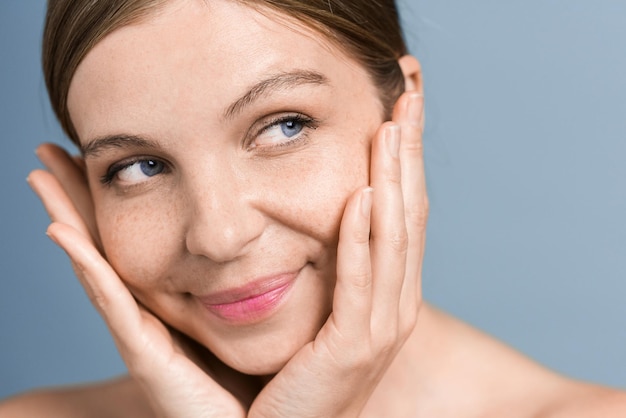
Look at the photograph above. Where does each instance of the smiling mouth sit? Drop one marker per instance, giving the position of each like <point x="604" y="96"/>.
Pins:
<point x="252" y="302"/>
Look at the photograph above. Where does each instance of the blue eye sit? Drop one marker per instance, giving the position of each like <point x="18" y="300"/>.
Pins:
<point x="283" y="130"/>
<point x="150" y="167"/>
<point x="134" y="172"/>
<point x="291" y="127"/>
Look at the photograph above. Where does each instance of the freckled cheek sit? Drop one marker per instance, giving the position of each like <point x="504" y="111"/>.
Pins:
<point x="138" y="239"/>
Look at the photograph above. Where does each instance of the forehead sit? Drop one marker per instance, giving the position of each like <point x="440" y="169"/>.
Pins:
<point x="195" y="54"/>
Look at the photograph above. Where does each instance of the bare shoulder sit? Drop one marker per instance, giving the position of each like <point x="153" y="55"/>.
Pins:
<point x="581" y="400"/>
<point x="112" y="398"/>
<point x="495" y="380"/>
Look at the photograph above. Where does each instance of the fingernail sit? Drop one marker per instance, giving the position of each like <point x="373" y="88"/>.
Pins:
<point x="415" y="108"/>
<point x="392" y="138"/>
<point x="366" y="202"/>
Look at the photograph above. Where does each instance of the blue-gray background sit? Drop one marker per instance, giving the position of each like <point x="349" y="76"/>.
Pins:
<point x="526" y="154"/>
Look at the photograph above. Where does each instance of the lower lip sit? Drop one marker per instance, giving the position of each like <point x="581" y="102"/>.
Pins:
<point x="252" y="309"/>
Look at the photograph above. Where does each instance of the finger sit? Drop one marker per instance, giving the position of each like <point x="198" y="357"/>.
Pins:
<point x="103" y="286"/>
<point x="409" y="113"/>
<point x="149" y="358"/>
<point x="57" y="203"/>
<point x="71" y="174"/>
<point x="389" y="236"/>
<point x="353" y="290"/>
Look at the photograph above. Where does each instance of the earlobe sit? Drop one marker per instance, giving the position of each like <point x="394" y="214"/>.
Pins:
<point x="412" y="71"/>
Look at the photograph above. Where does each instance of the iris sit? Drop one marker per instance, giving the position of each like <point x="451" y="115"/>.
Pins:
<point x="291" y="128"/>
<point x="151" y="167"/>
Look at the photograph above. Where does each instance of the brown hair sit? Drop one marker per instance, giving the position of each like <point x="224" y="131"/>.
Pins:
<point x="368" y="29"/>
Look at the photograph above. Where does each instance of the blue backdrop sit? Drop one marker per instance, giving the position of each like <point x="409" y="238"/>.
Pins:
<point x="525" y="147"/>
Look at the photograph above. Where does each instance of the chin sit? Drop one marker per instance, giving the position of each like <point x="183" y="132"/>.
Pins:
<point x="268" y="354"/>
<point x="260" y="361"/>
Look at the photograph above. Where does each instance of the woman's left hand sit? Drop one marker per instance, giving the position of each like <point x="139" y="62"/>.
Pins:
<point x="378" y="292"/>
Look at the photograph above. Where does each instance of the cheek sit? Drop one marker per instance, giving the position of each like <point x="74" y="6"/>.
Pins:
<point x="315" y="189"/>
<point x="137" y="237"/>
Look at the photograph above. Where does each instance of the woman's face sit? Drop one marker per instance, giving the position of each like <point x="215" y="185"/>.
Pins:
<point x="221" y="145"/>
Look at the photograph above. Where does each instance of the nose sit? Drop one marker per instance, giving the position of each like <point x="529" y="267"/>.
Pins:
<point x="223" y="223"/>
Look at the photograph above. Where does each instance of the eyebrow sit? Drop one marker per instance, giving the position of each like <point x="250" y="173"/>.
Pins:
<point x="97" y="145"/>
<point x="275" y="82"/>
<point x="262" y="88"/>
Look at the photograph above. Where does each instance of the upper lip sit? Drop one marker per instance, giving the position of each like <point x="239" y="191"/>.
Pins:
<point x="254" y="288"/>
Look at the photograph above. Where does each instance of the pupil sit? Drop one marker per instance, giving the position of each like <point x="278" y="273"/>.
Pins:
<point x="151" y="168"/>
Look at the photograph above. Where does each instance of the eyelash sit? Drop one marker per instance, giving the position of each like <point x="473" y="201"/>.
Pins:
<point x="306" y="122"/>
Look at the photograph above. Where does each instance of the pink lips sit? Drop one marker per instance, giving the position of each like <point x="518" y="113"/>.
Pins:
<point x="251" y="302"/>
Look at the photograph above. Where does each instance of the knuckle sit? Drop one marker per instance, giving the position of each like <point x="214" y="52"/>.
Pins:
<point x="358" y="357"/>
<point x="99" y="301"/>
<point x="361" y="236"/>
<point x="399" y="241"/>
<point x="414" y="145"/>
<point x="392" y="174"/>
<point x="387" y="341"/>
<point x="96" y="297"/>
<point x="417" y="214"/>
<point x="362" y="278"/>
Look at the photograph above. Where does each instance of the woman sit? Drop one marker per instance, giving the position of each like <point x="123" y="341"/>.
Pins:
<point x="250" y="269"/>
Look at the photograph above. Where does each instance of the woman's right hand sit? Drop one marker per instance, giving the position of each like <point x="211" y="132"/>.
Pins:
<point x="177" y="380"/>
<point x="377" y="295"/>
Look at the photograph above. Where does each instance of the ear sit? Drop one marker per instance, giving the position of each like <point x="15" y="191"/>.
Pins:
<point x="412" y="71"/>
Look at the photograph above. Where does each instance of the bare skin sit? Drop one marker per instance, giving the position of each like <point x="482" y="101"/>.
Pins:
<point x="466" y="374"/>
<point x="363" y="343"/>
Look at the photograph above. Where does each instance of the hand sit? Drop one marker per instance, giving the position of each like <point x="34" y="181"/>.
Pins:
<point x="177" y="381"/>
<point x="378" y="291"/>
